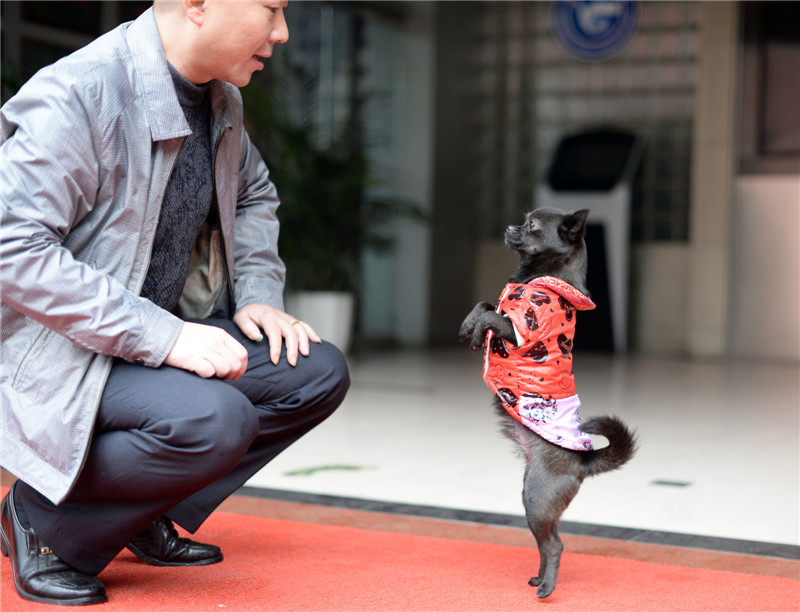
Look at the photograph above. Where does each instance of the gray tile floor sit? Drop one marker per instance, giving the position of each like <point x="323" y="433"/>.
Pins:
<point x="719" y="443"/>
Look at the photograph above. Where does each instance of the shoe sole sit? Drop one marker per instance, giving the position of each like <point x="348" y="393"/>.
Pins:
<point x="159" y="563"/>
<point x="5" y="547"/>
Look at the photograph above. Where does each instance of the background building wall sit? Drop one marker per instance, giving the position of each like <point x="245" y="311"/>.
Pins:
<point x="765" y="268"/>
<point x="457" y="164"/>
<point x="524" y="94"/>
<point x="704" y="236"/>
<point x="479" y="94"/>
<point x="399" y="63"/>
<point x="712" y="184"/>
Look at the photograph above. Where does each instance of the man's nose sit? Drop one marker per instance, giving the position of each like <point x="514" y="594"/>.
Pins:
<point x="280" y="30"/>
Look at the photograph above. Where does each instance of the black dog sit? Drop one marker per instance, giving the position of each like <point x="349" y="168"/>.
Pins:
<point x="528" y="365"/>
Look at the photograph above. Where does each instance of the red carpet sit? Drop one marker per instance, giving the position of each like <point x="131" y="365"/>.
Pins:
<point x="280" y="565"/>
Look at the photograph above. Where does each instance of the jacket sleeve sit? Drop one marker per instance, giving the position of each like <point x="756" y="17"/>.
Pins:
<point x="259" y="272"/>
<point x="55" y="249"/>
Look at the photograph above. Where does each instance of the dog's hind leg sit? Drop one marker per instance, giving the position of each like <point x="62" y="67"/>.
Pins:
<point x="550" y="549"/>
<point x="546" y="496"/>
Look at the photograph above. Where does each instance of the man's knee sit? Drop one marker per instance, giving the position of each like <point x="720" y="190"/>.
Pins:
<point x="218" y="427"/>
<point x="333" y="371"/>
<point x="313" y="389"/>
<point x="338" y="374"/>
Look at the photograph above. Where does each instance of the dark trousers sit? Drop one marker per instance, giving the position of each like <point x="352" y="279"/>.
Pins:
<point x="168" y="442"/>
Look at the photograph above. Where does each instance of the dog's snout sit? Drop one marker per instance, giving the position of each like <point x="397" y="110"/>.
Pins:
<point x="513" y="237"/>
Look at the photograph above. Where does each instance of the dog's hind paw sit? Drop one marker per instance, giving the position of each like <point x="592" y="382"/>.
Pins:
<point x="545" y="590"/>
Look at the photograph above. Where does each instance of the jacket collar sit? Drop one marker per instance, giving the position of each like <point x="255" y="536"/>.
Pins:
<point x="565" y="290"/>
<point x="154" y="83"/>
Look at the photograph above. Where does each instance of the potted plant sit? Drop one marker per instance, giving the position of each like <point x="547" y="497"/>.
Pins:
<point x="326" y="217"/>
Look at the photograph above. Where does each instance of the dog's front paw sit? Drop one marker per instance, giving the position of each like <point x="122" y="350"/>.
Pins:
<point x="473" y="320"/>
<point x="477" y="341"/>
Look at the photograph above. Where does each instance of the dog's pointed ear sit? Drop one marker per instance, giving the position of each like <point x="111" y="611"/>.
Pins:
<point x="574" y="224"/>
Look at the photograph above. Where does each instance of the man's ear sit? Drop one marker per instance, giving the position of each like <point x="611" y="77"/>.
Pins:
<point x="574" y="224"/>
<point x="195" y="11"/>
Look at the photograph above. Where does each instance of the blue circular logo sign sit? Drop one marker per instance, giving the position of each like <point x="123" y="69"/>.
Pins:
<point x="595" y="30"/>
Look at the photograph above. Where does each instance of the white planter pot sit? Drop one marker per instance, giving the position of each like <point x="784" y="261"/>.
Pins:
<point x="330" y="313"/>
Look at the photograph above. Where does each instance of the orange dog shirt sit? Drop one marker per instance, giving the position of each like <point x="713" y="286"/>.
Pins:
<point x="533" y="379"/>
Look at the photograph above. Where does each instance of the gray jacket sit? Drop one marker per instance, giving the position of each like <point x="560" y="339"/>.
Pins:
<point x="87" y="148"/>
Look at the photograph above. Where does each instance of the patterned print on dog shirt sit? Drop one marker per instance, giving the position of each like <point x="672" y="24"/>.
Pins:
<point x="533" y="379"/>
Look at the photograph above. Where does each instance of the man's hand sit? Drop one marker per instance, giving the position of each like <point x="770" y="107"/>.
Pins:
<point x="278" y="326"/>
<point x="208" y="351"/>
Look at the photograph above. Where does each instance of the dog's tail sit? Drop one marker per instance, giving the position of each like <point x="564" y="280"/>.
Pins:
<point x="621" y="445"/>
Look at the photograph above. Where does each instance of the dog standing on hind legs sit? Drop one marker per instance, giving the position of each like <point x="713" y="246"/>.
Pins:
<point x="528" y="364"/>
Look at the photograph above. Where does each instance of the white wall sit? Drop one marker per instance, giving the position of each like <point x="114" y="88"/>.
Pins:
<point x="658" y="298"/>
<point x="736" y="290"/>
<point x="765" y="275"/>
<point x="707" y="318"/>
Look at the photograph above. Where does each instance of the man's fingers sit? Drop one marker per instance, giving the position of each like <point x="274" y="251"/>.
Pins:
<point x="252" y="331"/>
<point x="310" y="333"/>
<point x="208" y="351"/>
<point x="227" y="361"/>
<point x="291" y="334"/>
<point x="302" y="332"/>
<point x="204" y="368"/>
<point x="278" y="327"/>
<point x="275" y="339"/>
<point x="236" y="357"/>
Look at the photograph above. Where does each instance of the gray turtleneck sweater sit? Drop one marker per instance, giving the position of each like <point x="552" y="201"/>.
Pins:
<point x="187" y="200"/>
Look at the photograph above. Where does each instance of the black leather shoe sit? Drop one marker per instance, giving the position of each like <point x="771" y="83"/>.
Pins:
<point x="39" y="575"/>
<point x="159" y="544"/>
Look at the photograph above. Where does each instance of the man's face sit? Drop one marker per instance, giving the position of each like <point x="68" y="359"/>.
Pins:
<point x="237" y="35"/>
